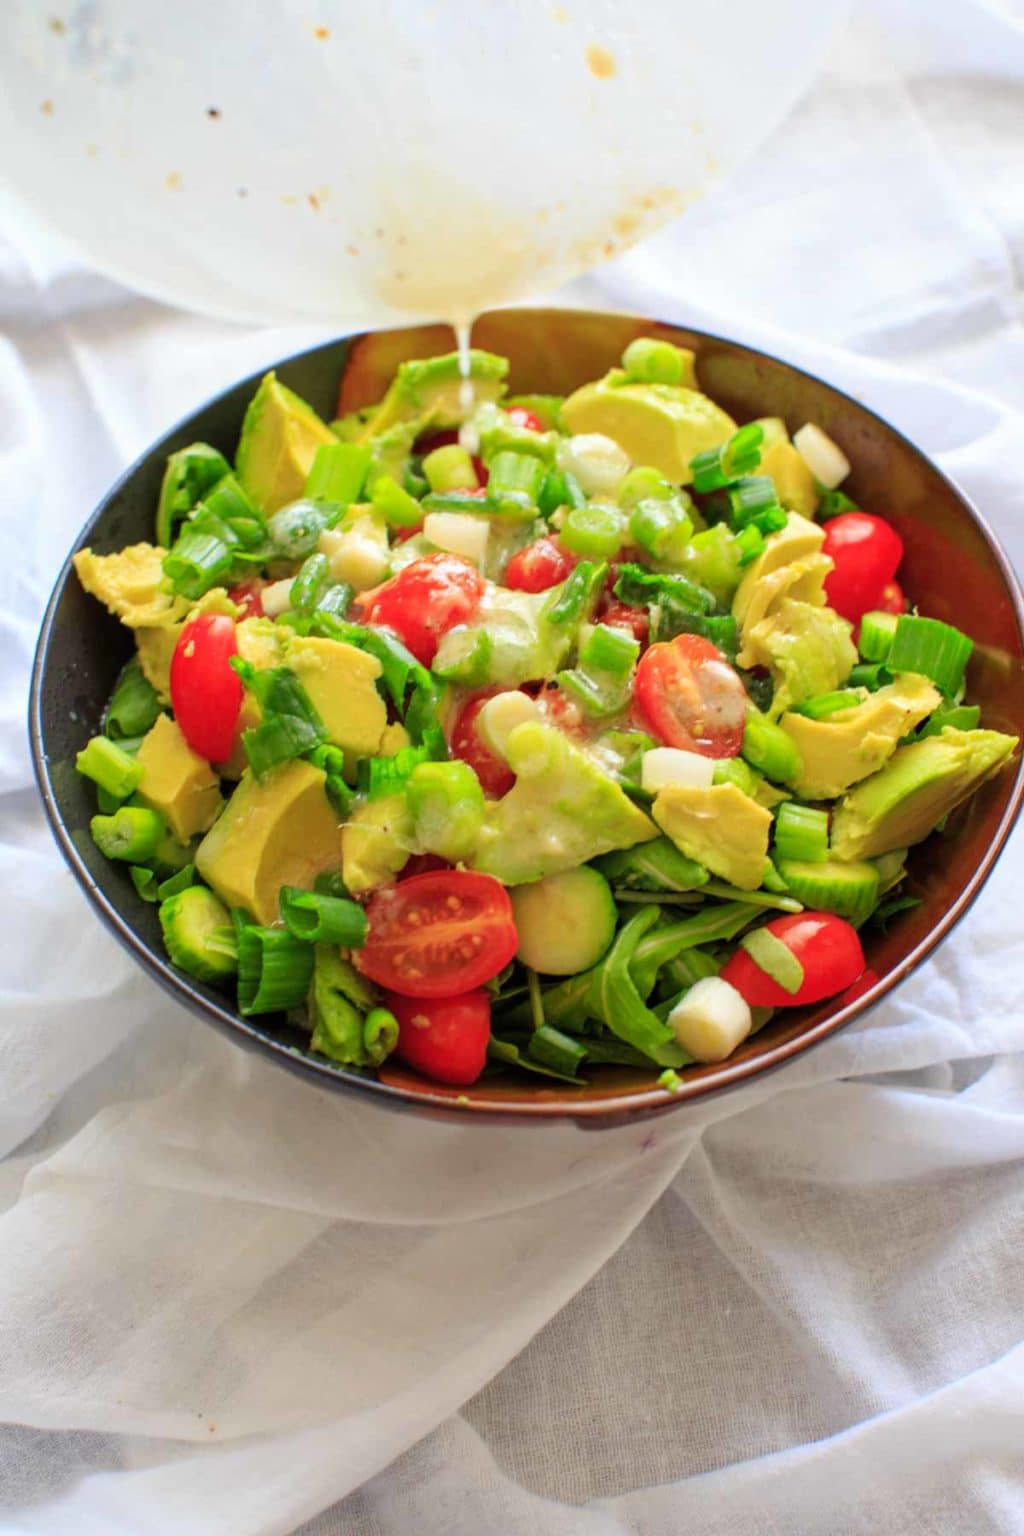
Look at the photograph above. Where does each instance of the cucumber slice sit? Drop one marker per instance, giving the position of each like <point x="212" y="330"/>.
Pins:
<point x="848" y="890"/>
<point x="566" y="922"/>
<point x="199" y="934"/>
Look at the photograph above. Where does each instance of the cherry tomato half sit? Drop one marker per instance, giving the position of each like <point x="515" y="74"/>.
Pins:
<point x="496" y="777"/>
<point x="206" y="693"/>
<point x="866" y="551"/>
<point x="436" y="933"/>
<point x="246" y="597"/>
<point x="541" y="565"/>
<point x="893" y="598"/>
<point x="519" y="416"/>
<point x="425" y="600"/>
<point x="689" y="696"/>
<point x="443" y="1037"/>
<point x="826" y="946"/>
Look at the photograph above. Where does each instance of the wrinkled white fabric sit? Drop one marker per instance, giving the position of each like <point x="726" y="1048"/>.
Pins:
<point x="231" y="1303"/>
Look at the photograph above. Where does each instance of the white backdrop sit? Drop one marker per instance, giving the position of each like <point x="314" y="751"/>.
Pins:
<point x="229" y="1302"/>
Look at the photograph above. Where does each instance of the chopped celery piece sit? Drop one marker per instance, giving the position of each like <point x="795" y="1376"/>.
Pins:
<point x="768" y="748"/>
<point x="132" y="833"/>
<point x="399" y="509"/>
<point x="338" y="472"/>
<point x="109" y="766"/>
<point x="647" y="361"/>
<point x="662" y="527"/>
<point x="801" y="832"/>
<point x="593" y="530"/>
<point x="516" y="473"/>
<point x="877" y="631"/>
<point x="450" y="469"/>
<point x="931" y="648"/>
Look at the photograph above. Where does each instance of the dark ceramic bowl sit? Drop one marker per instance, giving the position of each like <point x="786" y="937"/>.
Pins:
<point x="954" y="569"/>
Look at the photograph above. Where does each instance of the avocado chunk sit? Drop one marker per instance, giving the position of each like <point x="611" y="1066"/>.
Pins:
<point x="561" y="811"/>
<point x="176" y="781"/>
<point x="794" y="483"/>
<point x="902" y="803"/>
<point x="428" y="391"/>
<point x="279" y="830"/>
<point x="341" y="684"/>
<point x="662" y="425"/>
<point x="376" y="842"/>
<point x="720" y="827"/>
<point x="280" y="437"/>
<point x="790" y="565"/>
<point x="809" y="650"/>
<point x="131" y="584"/>
<point x="846" y="747"/>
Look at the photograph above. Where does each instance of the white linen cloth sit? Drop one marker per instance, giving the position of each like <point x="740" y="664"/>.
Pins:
<point x="228" y="1299"/>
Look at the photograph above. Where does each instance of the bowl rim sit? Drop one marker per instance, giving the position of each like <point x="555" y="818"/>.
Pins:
<point x="432" y="1099"/>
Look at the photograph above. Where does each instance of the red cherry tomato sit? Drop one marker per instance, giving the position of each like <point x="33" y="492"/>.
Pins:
<point x="867" y="551"/>
<point x="688" y="696"/>
<point x="206" y="694"/>
<point x="425" y="600"/>
<point x="436" y="933"/>
<point x="399" y="535"/>
<point x="445" y="1038"/>
<point x="541" y="565"/>
<point x="519" y="416"/>
<point x="827" y="948"/>
<point x="246" y="596"/>
<point x="558" y="709"/>
<point x="893" y="599"/>
<point x="623" y="616"/>
<point x="496" y="777"/>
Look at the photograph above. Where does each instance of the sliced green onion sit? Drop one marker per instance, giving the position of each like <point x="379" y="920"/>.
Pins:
<point x="832" y="503"/>
<point x="647" y="361"/>
<point x="295" y="530"/>
<point x="609" y="650"/>
<point x="228" y="504"/>
<point x="399" y="509"/>
<point x="199" y="560"/>
<point x="960" y="717"/>
<point x="593" y="530"/>
<point x="749" y="543"/>
<point x="753" y="500"/>
<point x="643" y="484"/>
<point x="338" y="472"/>
<point x="311" y="581"/>
<point x="721" y="629"/>
<point x="822" y="705"/>
<point x="450" y="469"/>
<point x="775" y="958"/>
<point x="599" y="695"/>
<point x="133" y="706"/>
<point x="109" y="766"/>
<point x="465" y="657"/>
<point x="318" y="919"/>
<point x="577" y="594"/>
<point x="556" y="1050"/>
<point x="335" y="600"/>
<point x="380" y="1035"/>
<point x="768" y="748"/>
<point x="662" y="527"/>
<point x="176" y="883"/>
<point x="516" y="474"/>
<point x="145" y="882"/>
<point x="560" y="489"/>
<point x="871" y="675"/>
<point x="190" y="473"/>
<point x="274" y="970"/>
<point x="290" y="725"/>
<point x="801" y="832"/>
<point x="877" y="631"/>
<point x="641" y="587"/>
<point x="718" y="467"/>
<point x="331" y="762"/>
<point x="932" y="649"/>
<point x="379" y="776"/>
<point x="330" y="883"/>
<point x="338" y="999"/>
<point x="133" y="833"/>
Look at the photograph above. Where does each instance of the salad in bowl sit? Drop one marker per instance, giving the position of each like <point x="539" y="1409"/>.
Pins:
<point x="524" y="733"/>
